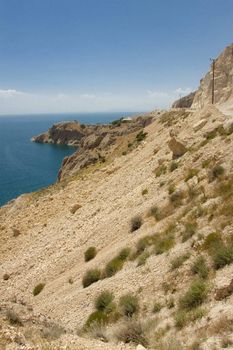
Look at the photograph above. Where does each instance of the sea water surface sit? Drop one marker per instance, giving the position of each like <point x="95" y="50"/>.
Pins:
<point x="26" y="166"/>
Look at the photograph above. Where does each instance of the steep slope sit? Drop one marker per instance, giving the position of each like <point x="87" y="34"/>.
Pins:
<point x="184" y="102"/>
<point x="223" y="91"/>
<point x="179" y="181"/>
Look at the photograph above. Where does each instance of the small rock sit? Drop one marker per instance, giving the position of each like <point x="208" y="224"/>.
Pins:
<point x="177" y="147"/>
<point x="140" y="347"/>
<point x="225" y="291"/>
<point x="16" y="232"/>
<point x="75" y="208"/>
<point x="228" y="126"/>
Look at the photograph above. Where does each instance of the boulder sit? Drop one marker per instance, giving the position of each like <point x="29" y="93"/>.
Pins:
<point x="177" y="147"/>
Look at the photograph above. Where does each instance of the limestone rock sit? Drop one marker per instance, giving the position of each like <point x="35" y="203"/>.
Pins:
<point x="199" y="125"/>
<point x="228" y="126"/>
<point x="140" y="347"/>
<point x="74" y="208"/>
<point x="177" y="147"/>
<point x="184" y="102"/>
<point x="225" y="290"/>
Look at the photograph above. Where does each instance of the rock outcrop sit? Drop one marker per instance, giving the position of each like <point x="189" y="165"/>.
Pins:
<point x="223" y="90"/>
<point x="95" y="142"/>
<point x="184" y="102"/>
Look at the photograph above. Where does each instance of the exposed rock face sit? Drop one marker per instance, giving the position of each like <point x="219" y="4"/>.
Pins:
<point x="184" y="102"/>
<point x="94" y="142"/>
<point x="223" y="91"/>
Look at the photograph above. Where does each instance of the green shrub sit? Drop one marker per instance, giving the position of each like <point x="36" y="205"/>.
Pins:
<point x="38" y="288"/>
<point x="155" y="212"/>
<point x="171" y="189"/>
<point x="129" y="305"/>
<point x="176" y="198"/>
<point x="124" y="254"/>
<point x="141" y="136"/>
<point x="189" y="231"/>
<point x="136" y="223"/>
<point x="96" y="318"/>
<point x="222" y="256"/>
<point x="157" y="307"/>
<point x="90" y="253"/>
<point x="216" y="172"/>
<point x="103" y="301"/>
<point x="212" y="241"/>
<point x="173" y="166"/>
<point x="195" y="295"/>
<point x="191" y="173"/>
<point x="145" y="191"/>
<point x="180" y="319"/>
<point x="91" y="276"/>
<point x="143" y="243"/>
<point x="164" y="243"/>
<point x="200" y="267"/>
<point x="142" y="258"/>
<point x="178" y="261"/>
<point x="113" y="266"/>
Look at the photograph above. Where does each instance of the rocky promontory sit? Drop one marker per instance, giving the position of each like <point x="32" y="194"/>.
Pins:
<point x="95" y="142"/>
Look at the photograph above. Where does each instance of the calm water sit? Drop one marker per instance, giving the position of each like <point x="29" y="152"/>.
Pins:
<point x="26" y="166"/>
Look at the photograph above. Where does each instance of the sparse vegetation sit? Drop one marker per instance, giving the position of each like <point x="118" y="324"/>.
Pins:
<point x="222" y="256"/>
<point x="178" y="261"/>
<point x="113" y="266"/>
<point x="96" y="318"/>
<point x="176" y="198"/>
<point x="216" y="172"/>
<point x="200" y="267"/>
<point x="161" y="170"/>
<point x="171" y="188"/>
<point x="103" y="301"/>
<point x="129" y="305"/>
<point x="13" y="317"/>
<point x="90" y="253"/>
<point x="164" y="243"/>
<point x="142" y="258"/>
<point x="38" y="289"/>
<point x="141" y="136"/>
<point x="173" y="166"/>
<point x="157" y="307"/>
<point x="191" y="173"/>
<point x="189" y="231"/>
<point x="136" y="223"/>
<point x="132" y="331"/>
<point x="91" y="276"/>
<point x="195" y="295"/>
<point x="145" y="191"/>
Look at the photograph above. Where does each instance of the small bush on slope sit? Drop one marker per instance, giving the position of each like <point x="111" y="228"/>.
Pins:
<point x="38" y="288"/>
<point x="200" y="267"/>
<point x="178" y="261"/>
<point x="195" y="295"/>
<point x="103" y="301"/>
<point x="91" y="276"/>
<point x="132" y="331"/>
<point x="129" y="305"/>
<point x="90" y="253"/>
<point x="136" y="223"/>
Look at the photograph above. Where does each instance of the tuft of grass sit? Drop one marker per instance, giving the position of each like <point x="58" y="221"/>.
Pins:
<point x="104" y="300"/>
<point x="171" y="189"/>
<point x="173" y="166"/>
<point x="200" y="267"/>
<point x="212" y="241"/>
<point x="222" y="256"/>
<point x="176" y="198"/>
<point x="90" y="253"/>
<point x="113" y="266"/>
<point x="191" y="173"/>
<point x="96" y="318"/>
<point x="145" y="191"/>
<point x="164" y="243"/>
<point x="195" y="295"/>
<point x="157" y="307"/>
<point x="13" y="317"/>
<point x="142" y="258"/>
<point x="180" y="318"/>
<point x="141" y="136"/>
<point x="132" y="331"/>
<point x="178" y="261"/>
<point x="216" y="172"/>
<point x="90" y="277"/>
<point x="129" y="305"/>
<point x="189" y="231"/>
<point x="170" y="303"/>
<point x="161" y="170"/>
<point x="38" y="289"/>
<point x="143" y="243"/>
<point x="155" y="212"/>
<point x="136" y="223"/>
<point x="124" y="254"/>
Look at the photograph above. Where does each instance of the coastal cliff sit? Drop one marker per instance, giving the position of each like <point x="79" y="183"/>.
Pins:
<point x="95" y="142"/>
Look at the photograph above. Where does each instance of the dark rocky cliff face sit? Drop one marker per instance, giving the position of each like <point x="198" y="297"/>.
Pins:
<point x="95" y="142"/>
<point x="184" y="102"/>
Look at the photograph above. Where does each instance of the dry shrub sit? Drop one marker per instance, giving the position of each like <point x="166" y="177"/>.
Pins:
<point x="132" y="331"/>
<point x="13" y="317"/>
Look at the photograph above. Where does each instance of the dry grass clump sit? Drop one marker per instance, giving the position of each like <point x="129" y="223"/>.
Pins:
<point x="173" y="166"/>
<point x="13" y="317"/>
<point x="157" y="307"/>
<point x="183" y="317"/>
<point x="129" y="305"/>
<point x="90" y="253"/>
<point x="143" y="258"/>
<point x="195" y="295"/>
<point x="216" y="172"/>
<point x="116" y="264"/>
<point x="176" y="198"/>
<point x="179" y="260"/>
<point x="191" y="173"/>
<point x="145" y="191"/>
<point x="104" y="300"/>
<point x="90" y="277"/>
<point x="136" y="223"/>
<point x="132" y="331"/>
<point x="141" y="136"/>
<point x="161" y="170"/>
<point x="200" y="267"/>
<point x="189" y="230"/>
<point x="164" y="242"/>
<point x="38" y="288"/>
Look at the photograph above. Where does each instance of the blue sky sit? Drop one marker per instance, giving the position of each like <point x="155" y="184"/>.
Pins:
<point x="106" y="55"/>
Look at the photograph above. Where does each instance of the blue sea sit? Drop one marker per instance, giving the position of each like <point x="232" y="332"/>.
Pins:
<point x="26" y="166"/>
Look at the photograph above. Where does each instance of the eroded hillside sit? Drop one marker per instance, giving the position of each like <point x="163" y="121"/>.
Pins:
<point x="159" y="216"/>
